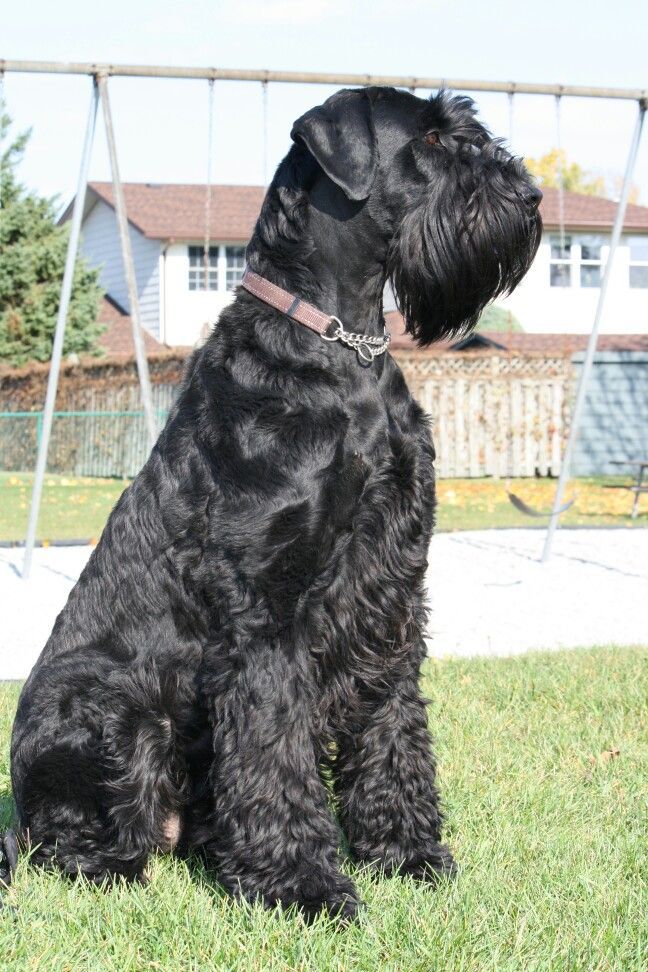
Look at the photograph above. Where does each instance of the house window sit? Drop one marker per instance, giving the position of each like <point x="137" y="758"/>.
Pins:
<point x="590" y="261"/>
<point x="576" y="261"/>
<point x="235" y="265"/>
<point x="197" y="268"/>
<point x="638" y="261"/>
<point x="560" y="266"/>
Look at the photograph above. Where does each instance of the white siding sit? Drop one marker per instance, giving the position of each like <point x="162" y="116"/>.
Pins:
<point x="544" y="309"/>
<point x="100" y="246"/>
<point x="188" y="314"/>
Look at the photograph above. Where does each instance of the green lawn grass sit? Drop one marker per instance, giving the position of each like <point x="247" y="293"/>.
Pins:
<point x="72" y="507"/>
<point x="480" y="504"/>
<point x="544" y="768"/>
<point x="77" y="508"/>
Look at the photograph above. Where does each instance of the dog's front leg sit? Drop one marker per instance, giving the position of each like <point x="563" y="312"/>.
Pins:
<point x="273" y="835"/>
<point x="385" y="781"/>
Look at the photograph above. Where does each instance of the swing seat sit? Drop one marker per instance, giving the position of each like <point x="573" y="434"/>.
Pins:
<point x="523" y="507"/>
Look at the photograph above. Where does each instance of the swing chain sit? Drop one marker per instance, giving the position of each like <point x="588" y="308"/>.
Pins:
<point x="2" y="102"/>
<point x="264" y="96"/>
<point x="208" y="187"/>
<point x="561" y="176"/>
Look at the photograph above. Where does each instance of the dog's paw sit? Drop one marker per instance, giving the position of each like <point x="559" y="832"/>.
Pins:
<point x="318" y="892"/>
<point x="334" y="894"/>
<point x="435" y="865"/>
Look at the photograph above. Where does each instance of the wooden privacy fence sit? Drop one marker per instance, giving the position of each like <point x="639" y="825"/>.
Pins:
<point x="493" y="415"/>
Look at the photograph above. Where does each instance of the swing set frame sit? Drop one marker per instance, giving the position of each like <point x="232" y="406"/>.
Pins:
<point x="100" y="75"/>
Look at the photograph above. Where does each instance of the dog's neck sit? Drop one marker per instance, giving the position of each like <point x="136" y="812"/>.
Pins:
<point x="311" y="241"/>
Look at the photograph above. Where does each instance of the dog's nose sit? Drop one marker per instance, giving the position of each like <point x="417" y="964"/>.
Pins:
<point x="534" y="196"/>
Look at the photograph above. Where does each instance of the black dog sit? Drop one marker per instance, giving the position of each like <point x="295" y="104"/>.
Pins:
<point x="251" y="623"/>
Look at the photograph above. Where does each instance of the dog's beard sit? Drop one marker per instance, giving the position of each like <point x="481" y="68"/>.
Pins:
<point x="471" y="240"/>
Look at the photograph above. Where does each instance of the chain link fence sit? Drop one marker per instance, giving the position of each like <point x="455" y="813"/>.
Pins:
<point x="82" y="443"/>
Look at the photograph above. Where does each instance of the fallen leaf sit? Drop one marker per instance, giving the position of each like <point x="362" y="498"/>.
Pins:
<point x="609" y="754"/>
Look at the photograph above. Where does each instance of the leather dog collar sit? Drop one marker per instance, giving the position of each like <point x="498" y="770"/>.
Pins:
<point x="329" y="327"/>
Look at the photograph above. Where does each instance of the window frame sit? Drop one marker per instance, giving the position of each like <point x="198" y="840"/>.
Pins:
<point x="196" y="271"/>
<point x="555" y="239"/>
<point x="238" y="270"/>
<point x="589" y="262"/>
<point x="635" y="264"/>
<point x="575" y="261"/>
<point x="219" y="268"/>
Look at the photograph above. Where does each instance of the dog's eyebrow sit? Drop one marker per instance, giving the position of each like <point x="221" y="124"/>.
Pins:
<point x="432" y="114"/>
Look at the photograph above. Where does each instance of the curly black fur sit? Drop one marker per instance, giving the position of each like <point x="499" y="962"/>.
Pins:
<point x="254" y="611"/>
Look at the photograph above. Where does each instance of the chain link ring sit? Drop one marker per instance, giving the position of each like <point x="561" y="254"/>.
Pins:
<point x="367" y="348"/>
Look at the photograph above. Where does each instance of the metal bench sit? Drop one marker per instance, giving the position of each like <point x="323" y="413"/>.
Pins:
<point x="637" y="487"/>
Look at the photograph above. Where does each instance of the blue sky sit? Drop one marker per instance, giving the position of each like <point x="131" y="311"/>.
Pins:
<point x="161" y="125"/>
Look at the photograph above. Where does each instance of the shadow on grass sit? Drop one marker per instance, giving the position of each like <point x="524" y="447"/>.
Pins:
<point x="203" y="875"/>
<point x="7" y="811"/>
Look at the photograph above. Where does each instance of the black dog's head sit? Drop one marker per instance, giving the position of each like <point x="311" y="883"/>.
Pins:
<point x="457" y="215"/>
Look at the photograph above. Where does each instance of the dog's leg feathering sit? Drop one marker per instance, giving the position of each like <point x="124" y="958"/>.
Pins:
<point x="385" y="780"/>
<point x="273" y="836"/>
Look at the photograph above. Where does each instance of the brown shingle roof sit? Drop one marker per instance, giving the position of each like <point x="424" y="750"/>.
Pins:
<point x="117" y="339"/>
<point x="518" y="342"/>
<point x="568" y="343"/>
<point x="165" y="212"/>
<point x="589" y="211"/>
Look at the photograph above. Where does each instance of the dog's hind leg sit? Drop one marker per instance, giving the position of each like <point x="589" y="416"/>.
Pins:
<point x="97" y="797"/>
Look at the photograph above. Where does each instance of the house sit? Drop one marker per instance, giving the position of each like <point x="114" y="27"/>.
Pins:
<point x="560" y="292"/>
<point x="168" y="226"/>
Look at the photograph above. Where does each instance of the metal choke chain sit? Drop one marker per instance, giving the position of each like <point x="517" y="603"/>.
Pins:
<point x="367" y="348"/>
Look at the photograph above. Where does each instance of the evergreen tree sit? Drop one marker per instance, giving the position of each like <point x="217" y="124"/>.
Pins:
<point x="32" y="259"/>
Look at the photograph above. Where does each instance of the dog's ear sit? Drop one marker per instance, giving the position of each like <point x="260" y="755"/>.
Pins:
<point x="340" y="134"/>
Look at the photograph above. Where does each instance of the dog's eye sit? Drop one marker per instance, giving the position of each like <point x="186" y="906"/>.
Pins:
<point x="432" y="138"/>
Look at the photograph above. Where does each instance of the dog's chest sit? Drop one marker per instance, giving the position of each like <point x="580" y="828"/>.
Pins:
<point x="385" y="503"/>
<point x="385" y="483"/>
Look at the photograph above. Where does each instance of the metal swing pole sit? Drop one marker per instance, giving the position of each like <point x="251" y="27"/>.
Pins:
<point x="264" y="101"/>
<point x="208" y="191"/>
<point x="59" y="334"/>
<point x="591" y="344"/>
<point x="129" y="267"/>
